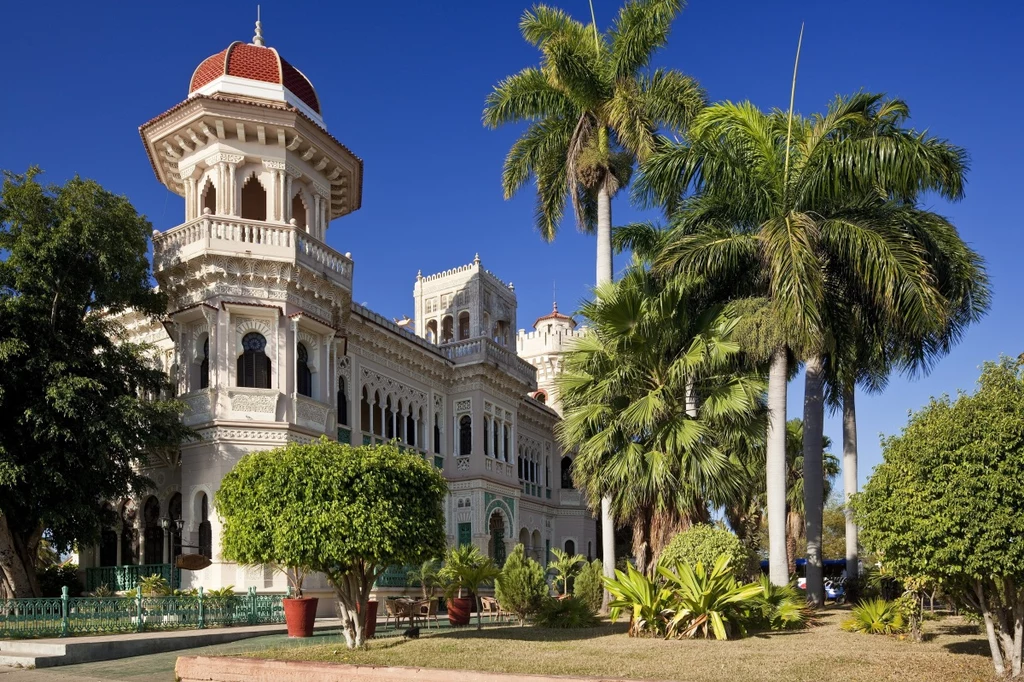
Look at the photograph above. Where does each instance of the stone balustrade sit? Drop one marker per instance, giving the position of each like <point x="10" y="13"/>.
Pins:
<point x="221" y="235"/>
<point x="483" y="349"/>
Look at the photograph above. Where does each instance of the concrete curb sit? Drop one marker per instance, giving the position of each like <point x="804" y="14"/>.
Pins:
<point x="233" y="669"/>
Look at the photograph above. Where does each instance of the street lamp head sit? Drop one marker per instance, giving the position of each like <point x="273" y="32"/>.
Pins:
<point x="165" y="522"/>
<point x="178" y="524"/>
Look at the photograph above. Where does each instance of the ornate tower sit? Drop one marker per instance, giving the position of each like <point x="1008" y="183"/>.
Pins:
<point x="464" y="303"/>
<point x="553" y="334"/>
<point x="258" y="302"/>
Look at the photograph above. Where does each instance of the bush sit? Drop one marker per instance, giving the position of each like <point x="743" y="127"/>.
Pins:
<point x="876" y="617"/>
<point x="709" y="603"/>
<point x="53" y="578"/>
<point x="589" y="587"/>
<point x="779" y="608"/>
<point x="704" y="544"/>
<point x="569" y="613"/>
<point x="521" y="588"/>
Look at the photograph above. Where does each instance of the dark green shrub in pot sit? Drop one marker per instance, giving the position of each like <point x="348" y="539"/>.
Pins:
<point x="521" y="588"/>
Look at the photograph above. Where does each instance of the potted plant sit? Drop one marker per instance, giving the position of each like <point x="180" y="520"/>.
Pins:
<point x="299" y="610"/>
<point x="465" y="570"/>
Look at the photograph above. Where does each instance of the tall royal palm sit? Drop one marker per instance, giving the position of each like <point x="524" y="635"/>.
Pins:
<point x="649" y="396"/>
<point x="812" y="204"/>
<point x="594" y="108"/>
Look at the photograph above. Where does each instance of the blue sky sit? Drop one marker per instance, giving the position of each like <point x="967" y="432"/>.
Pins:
<point x="403" y="84"/>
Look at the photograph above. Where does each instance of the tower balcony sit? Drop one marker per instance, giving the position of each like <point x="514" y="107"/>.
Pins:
<point x="213" y="235"/>
<point x="485" y="350"/>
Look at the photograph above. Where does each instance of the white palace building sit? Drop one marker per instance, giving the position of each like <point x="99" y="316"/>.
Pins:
<point x="265" y="345"/>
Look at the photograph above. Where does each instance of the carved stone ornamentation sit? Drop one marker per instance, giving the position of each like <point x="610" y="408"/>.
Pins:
<point x="260" y="403"/>
<point x="463" y="406"/>
<point x="462" y="463"/>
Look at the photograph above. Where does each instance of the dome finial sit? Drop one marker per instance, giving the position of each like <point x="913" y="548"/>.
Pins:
<point x="258" y="38"/>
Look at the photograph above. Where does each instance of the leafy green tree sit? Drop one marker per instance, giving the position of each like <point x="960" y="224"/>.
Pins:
<point x="565" y="566"/>
<point x="651" y="396"/>
<point x="347" y="512"/>
<point x="594" y="107"/>
<point x="80" y="411"/>
<point x="804" y="213"/>
<point x="947" y="504"/>
<point x="704" y="544"/>
<point x="521" y="588"/>
<point x="588" y="586"/>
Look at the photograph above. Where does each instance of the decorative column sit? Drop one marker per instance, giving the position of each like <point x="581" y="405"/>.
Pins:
<point x="230" y="193"/>
<point x="295" y="355"/>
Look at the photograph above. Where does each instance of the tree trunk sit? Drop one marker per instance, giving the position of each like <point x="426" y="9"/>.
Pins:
<point x="794" y="528"/>
<point x="604" y="274"/>
<point x="850" y="479"/>
<point x="18" y="569"/>
<point x="775" y="467"/>
<point x="814" y="479"/>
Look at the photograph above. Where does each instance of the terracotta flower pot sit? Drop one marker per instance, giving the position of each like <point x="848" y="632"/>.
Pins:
<point x="299" y="615"/>
<point x="459" y="610"/>
<point x="370" y="624"/>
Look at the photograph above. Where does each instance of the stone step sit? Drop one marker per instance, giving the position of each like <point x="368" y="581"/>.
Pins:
<point x="28" y="659"/>
<point x="34" y="646"/>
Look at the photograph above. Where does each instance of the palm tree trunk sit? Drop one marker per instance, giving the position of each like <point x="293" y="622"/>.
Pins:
<point x="604" y="274"/>
<point x="850" y="478"/>
<point x="775" y="467"/>
<point x="814" y="478"/>
<point x="794" y="526"/>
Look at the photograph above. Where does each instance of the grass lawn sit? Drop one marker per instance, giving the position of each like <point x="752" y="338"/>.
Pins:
<point x="952" y="651"/>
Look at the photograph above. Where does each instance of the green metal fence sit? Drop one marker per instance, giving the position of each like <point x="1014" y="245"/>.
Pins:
<point x="66" y="616"/>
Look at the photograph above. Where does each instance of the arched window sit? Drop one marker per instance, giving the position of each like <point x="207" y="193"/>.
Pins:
<point x="153" y="533"/>
<point x="496" y="440"/>
<point x="447" y="335"/>
<point x="253" y="363"/>
<point x="437" y="434"/>
<point x="463" y="325"/>
<point x="570" y="547"/>
<point x="204" y="366"/>
<point x="299" y="211"/>
<point x="108" y="539"/>
<point x="378" y="415"/>
<point x="400" y="422"/>
<point x="254" y="199"/>
<point x="389" y="420"/>
<point x="303" y="377"/>
<point x="506" y="437"/>
<point x="566" y="473"/>
<point x="432" y="331"/>
<point x="205" y="531"/>
<point x="342" y="402"/>
<point x="541" y="397"/>
<point x="487" y="440"/>
<point x="465" y="435"/>
<point x="364" y="413"/>
<point x="209" y="197"/>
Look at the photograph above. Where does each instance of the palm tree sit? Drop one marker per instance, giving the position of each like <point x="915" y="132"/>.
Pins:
<point x="565" y="566"/>
<point x="594" y="107"/>
<point x="649" y="395"/>
<point x="426" y="576"/>
<point x="811" y="205"/>
<point x="795" y="510"/>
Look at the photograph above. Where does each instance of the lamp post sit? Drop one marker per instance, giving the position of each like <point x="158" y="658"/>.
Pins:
<point x="172" y="527"/>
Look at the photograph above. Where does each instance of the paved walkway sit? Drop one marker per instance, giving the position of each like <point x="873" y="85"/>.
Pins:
<point x="158" y="667"/>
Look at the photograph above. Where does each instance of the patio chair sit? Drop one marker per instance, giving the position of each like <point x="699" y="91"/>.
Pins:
<point x="428" y="611"/>
<point x="489" y="607"/>
<point x="391" y="611"/>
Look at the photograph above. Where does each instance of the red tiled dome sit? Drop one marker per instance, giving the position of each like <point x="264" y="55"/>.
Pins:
<point x="256" y="63"/>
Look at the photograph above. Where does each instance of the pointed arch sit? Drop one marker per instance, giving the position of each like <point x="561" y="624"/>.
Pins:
<point x="254" y="198"/>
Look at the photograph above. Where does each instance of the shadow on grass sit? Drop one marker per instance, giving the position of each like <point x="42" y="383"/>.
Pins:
<point x="973" y="647"/>
<point x="532" y="633"/>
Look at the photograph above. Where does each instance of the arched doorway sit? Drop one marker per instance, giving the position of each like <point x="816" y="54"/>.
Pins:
<point x="567" y="473"/>
<point x="496" y="543"/>
<point x="538" y="546"/>
<point x="129" y="535"/>
<point x="205" y="531"/>
<point x="108" y="540"/>
<point x="152" y="532"/>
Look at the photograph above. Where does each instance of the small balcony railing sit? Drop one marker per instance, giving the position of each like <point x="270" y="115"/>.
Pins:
<point x="120" y="578"/>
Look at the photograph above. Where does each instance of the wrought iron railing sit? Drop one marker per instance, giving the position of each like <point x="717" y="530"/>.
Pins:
<point x="66" y="616"/>
<point x="121" y="578"/>
<point x="394" y="576"/>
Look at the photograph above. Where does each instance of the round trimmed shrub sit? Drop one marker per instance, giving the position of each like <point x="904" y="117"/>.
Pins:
<point x="704" y="544"/>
